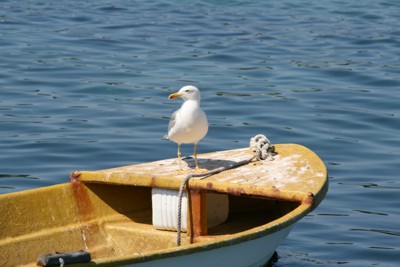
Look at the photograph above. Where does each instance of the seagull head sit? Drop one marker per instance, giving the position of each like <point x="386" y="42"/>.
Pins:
<point x="188" y="92"/>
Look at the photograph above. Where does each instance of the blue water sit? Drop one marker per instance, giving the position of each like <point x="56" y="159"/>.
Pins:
<point x="84" y="85"/>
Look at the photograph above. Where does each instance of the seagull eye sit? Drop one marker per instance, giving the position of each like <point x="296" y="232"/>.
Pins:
<point x="187" y="90"/>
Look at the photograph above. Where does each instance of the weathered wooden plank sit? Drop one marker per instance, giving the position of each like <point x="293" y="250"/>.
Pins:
<point x="197" y="214"/>
<point x="295" y="174"/>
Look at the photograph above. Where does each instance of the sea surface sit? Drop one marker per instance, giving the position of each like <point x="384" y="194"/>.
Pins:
<point x="84" y="86"/>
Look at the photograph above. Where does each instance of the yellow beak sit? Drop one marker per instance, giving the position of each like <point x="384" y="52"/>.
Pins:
<point x="174" y="95"/>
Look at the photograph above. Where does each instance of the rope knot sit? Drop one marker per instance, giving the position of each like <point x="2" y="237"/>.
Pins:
<point x="262" y="147"/>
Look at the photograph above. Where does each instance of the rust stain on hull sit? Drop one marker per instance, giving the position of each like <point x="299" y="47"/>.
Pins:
<point x="85" y="209"/>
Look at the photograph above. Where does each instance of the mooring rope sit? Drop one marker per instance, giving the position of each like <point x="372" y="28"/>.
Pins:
<point x="263" y="151"/>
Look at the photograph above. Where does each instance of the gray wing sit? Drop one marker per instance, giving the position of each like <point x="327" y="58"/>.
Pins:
<point x="171" y="122"/>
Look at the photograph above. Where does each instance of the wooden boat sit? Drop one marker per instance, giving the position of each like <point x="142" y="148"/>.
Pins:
<point x="109" y="214"/>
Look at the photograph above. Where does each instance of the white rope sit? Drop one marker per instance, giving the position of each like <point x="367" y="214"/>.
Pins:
<point x="263" y="149"/>
<point x="179" y="219"/>
<point x="61" y="261"/>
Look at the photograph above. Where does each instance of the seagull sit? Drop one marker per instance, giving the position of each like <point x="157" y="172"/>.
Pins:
<point x="189" y="123"/>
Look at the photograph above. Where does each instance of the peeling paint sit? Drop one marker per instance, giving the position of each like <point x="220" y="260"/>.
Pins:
<point x="293" y="169"/>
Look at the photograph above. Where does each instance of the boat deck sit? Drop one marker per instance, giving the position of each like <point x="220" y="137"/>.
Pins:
<point x="295" y="174"/>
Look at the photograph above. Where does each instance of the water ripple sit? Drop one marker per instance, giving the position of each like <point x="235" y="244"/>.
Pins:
<point x="84" y="85"/>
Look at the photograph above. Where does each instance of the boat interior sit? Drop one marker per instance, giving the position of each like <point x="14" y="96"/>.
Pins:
<point x="108" y="221"/>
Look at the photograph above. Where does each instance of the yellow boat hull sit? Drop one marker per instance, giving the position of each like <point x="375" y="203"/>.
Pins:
<point x="109" y="214"/>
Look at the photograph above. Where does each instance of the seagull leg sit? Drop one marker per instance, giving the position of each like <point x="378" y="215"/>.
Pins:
<point x="197" y="169"/>
<point x="179" y="157"/>
<point x="195" y="156"/>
